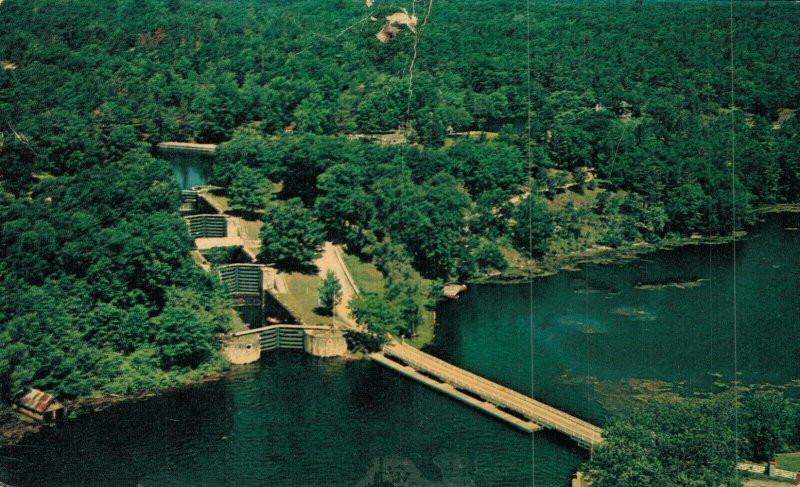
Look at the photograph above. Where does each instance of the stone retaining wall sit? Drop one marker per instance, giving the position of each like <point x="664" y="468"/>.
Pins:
<point x="324" y="343"/>
<point x="241" y="350"/>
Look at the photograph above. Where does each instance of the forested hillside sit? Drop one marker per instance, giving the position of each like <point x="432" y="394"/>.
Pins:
<point x="608" y="123"/>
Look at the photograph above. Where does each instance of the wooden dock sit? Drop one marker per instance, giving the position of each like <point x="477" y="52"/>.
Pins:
<point x="501" y="402"/>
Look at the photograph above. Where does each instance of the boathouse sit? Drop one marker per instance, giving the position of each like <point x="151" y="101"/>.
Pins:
<point x="39" y="405"/>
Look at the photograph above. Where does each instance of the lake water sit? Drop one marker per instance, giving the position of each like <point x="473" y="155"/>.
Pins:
<point x="584" y="342"/>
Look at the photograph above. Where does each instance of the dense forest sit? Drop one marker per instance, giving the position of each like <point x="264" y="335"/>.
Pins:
<point x="603" y="124"/>
<point x="696" y="441"/>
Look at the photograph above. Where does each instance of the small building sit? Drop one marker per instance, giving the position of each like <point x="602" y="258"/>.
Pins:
<point x="39" y="405"/>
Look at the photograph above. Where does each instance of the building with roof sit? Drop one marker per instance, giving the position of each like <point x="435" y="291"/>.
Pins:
<point x="39" y="405"/>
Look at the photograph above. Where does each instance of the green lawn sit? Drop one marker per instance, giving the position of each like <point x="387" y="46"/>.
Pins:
<point x="237" y="323"/>
<point x="368" y="278"/>
<point x="217" y="195"/>
<point x="251" y="228"/>
<point x="789" y="461"/>
<point x="303" y="298"/>
<point x="757" y="479"/>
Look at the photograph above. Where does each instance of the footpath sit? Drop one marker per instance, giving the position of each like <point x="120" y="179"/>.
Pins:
<point x="331" y="260"/>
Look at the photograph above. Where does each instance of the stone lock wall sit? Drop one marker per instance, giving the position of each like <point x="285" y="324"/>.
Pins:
<point x="324" y="343"/>
<point x="242" y="350"/>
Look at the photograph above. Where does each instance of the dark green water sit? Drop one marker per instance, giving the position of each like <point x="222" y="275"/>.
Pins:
<point x="190" y="169"/>
<point x="595" y="326"/>
<point x="295" y="420"/>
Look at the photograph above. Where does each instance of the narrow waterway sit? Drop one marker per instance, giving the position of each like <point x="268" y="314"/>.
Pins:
<point x="586" y="342"/>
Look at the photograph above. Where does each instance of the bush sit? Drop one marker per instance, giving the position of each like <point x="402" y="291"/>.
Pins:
<point x="223" y="255"/>
<point x="366" y="342"/>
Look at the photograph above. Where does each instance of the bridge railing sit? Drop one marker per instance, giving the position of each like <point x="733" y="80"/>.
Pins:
<point x="494" y="385"/>
<point x="507" y="390"/>
<point x="502" y="396"/>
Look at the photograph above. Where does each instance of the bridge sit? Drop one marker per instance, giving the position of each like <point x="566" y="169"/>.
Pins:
<point x="517" y="409"/>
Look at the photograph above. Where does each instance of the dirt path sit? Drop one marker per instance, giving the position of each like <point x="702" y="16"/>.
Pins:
<point x="331" y="260"/>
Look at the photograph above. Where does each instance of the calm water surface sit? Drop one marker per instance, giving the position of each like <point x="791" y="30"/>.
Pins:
<point x="190" y="169"/>
<point x="296" y="420"/>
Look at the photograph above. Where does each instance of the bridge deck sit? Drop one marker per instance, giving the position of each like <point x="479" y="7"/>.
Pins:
<point x="485" y="406"/>
<point x="526" y="407"/>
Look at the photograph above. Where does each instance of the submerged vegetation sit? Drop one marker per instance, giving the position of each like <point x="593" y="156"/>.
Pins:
<point x="619" y="133"/>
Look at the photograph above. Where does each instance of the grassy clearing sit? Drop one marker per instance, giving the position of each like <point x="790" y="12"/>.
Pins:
<point x="586" y="199"/>
<point x="366" y="276"/>
<point x="425" y="330"/>
<point x="218" y="196"/>
<point x="303" y="298"/>
<point x="789" y="461"/>
<point x="198" y="259"/>
<point x="250" y="229"/>
<point x="759" y="480"/>
<point x="237" y="324"/>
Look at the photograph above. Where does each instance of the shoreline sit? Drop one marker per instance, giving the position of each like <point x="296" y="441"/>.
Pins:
<point x="553" y="264"/>
<point x="550" y="265"/>
<point x="779" y="208"/>
<point x="15" y="427"/>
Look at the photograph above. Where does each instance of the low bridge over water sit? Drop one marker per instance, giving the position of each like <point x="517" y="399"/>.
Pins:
<point x="499" y="401"/>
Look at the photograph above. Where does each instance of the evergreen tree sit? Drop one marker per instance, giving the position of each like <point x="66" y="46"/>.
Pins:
<point x="330" y="293"/>
<point x="533" y="227"/>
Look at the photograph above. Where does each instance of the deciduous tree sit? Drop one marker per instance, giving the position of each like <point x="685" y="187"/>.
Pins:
<point x="291" y="237"/>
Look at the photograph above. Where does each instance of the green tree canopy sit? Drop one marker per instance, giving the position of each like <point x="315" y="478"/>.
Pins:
<point x="766" y="419"/>
<point x="533" y="227"/>
<point x="249" y="191"/>
<point x="291" y="237"/>
<point x="682" y="443"/>
<point x="376" y="313"/>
